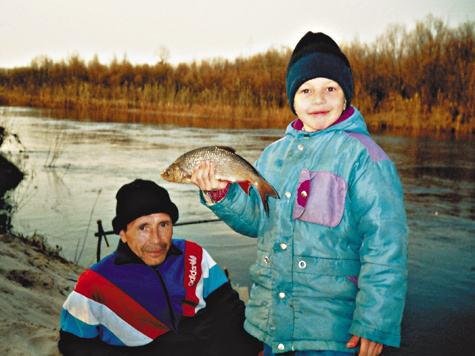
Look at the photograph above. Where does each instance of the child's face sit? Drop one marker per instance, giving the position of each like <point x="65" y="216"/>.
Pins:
<point x="319" y="102"/>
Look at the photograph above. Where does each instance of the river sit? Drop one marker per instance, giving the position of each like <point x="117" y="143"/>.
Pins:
<point x="74" y="169"/>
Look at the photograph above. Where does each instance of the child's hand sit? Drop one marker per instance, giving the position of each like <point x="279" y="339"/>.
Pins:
<point x="367" y="348"/>
<point x="203" y="177"/>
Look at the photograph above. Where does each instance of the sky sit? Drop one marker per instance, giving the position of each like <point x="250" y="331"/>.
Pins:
<point x="193" y="30"/>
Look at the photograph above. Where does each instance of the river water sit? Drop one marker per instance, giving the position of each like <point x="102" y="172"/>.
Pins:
<point x="74" y="169"/>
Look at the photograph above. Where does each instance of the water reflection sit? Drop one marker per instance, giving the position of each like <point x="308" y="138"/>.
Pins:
<point x="450" y="173"/>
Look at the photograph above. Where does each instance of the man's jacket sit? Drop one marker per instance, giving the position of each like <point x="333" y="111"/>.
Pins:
<point x="121" y="301"/>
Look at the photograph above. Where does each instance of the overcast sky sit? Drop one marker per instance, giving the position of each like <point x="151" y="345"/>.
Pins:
<point x="198" y="29"/>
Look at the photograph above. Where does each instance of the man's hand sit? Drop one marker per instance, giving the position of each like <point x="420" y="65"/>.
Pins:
<point x="367" y="347"/>
<point x="203" y="176"/>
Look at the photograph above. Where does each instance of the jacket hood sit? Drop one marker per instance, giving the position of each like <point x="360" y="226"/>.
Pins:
<point x="355" y="123"/>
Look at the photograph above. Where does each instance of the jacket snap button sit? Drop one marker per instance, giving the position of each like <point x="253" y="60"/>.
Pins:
<point x="302" y="264"/>
<point x="266" y="259"/>
<point x="283" y="246"/>
<point x="281" y="347"/>
<point x="300" y="147"/>
<point x="281" y="295"/>
<point x="288" y="194"/>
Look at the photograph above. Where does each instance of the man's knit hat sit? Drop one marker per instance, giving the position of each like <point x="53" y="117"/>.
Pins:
<point x="317" y="55"/>
<point x="141" y="198"/>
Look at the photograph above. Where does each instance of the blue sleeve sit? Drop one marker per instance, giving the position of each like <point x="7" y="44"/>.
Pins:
<point x="213" y="275"/>
<point x="378" y="206"/>
<point x="77" y="327"/>
<point x="238" y="210"/>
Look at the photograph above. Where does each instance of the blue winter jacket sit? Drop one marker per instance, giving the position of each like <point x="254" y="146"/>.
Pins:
<point x="332" y="255"/>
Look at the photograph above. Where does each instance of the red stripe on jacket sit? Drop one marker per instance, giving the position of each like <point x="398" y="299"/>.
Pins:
<point x="120" y="303"/>
<point x="193" y="273"/>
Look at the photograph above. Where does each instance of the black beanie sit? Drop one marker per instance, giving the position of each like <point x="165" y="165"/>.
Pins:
<point x="141" y="198"/>
<point x="317" y="55"/>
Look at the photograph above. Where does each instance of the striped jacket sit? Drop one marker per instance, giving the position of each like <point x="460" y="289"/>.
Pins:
<point x="124" y="302"/>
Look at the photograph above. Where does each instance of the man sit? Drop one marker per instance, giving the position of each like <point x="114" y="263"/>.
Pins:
<point x="153" y="295"/>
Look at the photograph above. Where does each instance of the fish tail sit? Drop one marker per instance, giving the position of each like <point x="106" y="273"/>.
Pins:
<point x="265" y="191"/>
<point x="246" y="186"/>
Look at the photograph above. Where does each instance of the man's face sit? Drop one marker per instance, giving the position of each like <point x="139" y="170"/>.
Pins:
<point x="149" y="237"/>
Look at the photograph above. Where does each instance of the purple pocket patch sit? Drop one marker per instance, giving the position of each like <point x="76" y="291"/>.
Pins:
<point x="320" y="198"/>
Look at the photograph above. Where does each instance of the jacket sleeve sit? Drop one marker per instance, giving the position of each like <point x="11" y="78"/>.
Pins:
<point x="378" y="206"/>
<point x="72" y="345"/>
<point x="238" y="210"/>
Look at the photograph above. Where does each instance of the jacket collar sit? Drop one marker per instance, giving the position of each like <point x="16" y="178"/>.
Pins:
<point x="124" y="255"/>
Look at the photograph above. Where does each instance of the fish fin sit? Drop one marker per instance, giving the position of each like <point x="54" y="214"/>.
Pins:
<point x="265" y="190"/>
<point x="246" y="186"/>
<point x="227" y="148"/>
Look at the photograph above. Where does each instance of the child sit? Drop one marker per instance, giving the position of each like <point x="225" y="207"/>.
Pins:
<point x="332" y="255"/>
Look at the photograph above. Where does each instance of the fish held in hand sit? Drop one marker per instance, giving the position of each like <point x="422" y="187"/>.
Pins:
<point x="228" y="166"/>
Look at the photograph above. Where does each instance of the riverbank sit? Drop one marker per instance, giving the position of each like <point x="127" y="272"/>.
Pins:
<point x="34" y="282"/>
<point x="408" y="120"/>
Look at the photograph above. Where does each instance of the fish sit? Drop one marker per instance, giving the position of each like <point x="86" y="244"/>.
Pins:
<point x="229" y="166"/>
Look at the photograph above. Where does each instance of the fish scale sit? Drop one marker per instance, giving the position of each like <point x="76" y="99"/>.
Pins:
<point x="228" y="166"/>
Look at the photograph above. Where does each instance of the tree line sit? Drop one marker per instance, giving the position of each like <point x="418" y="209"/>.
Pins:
<point x="425" y="75"/>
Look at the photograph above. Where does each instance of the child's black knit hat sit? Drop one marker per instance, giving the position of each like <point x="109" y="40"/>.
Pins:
<point x="317" y="55"/>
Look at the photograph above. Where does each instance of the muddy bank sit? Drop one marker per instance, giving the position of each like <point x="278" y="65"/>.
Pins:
<point x="34" y="280"/>
<point x="34" y="283"/>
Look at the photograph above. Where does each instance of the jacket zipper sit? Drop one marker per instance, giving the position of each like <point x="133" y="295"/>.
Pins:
<point x="170" y="309"/>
